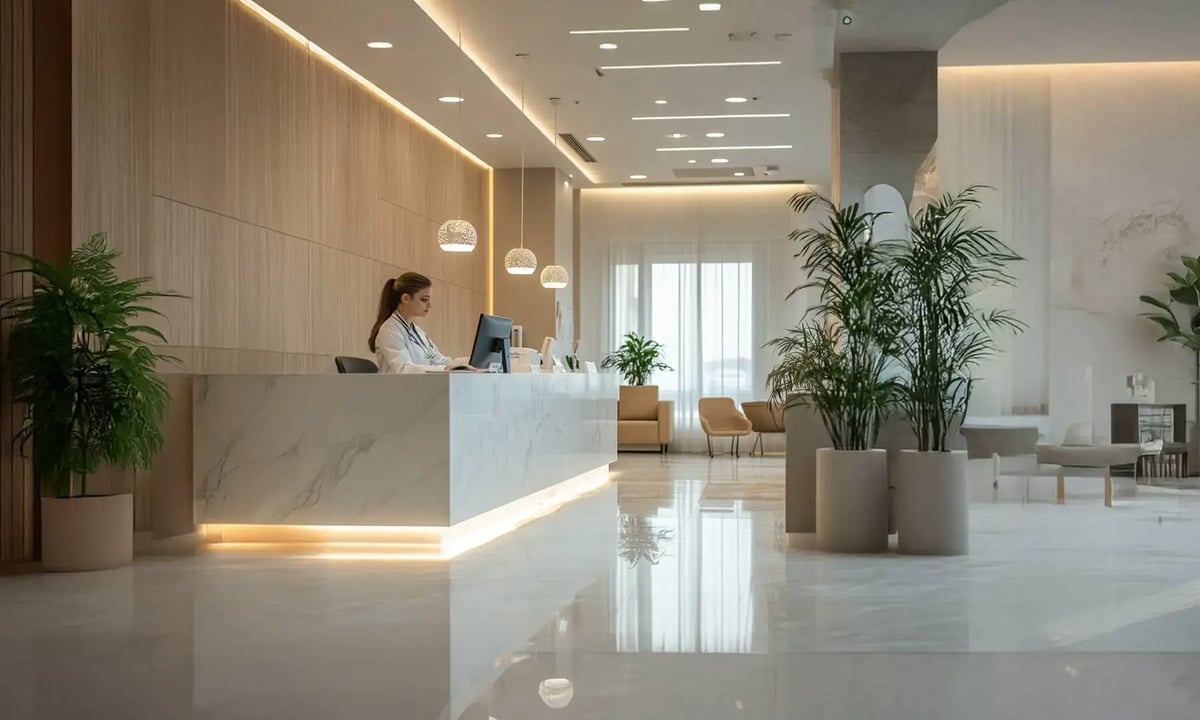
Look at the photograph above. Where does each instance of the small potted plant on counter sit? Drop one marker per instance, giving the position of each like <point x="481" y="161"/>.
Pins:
<point x="82" y="368"/>
<point x="946" y="262"/>
<point x="837" y="361"/>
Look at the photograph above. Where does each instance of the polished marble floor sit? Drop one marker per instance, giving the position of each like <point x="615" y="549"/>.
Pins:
<point x="672" y="594"/>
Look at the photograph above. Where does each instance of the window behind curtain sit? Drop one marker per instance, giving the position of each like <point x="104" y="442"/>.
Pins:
<point x="703" y="314"/>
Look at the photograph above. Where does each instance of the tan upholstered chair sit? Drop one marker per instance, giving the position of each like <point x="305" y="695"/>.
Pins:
<point x="643" y="420"/>
<point x="764" y="417"/>
<point x="719" y="417"/>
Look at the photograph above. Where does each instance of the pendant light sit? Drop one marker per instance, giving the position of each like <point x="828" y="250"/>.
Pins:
<point x="458" y="236"/>
<point x="555" y="276"/>
<point x="521" y="260"/>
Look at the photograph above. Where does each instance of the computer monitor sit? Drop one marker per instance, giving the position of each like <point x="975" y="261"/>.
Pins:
<point x="492" y="343"/>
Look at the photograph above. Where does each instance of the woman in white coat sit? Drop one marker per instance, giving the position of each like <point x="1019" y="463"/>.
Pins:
<point x="399" y="344"/>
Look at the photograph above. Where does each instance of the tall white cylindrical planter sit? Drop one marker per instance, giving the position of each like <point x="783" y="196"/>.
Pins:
<point x="87" y="533"/>
<point x="932" y="502"/>
<point x="852" y="501"/>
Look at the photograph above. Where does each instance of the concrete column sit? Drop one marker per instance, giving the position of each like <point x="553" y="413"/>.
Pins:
<point x="888" y="119"/>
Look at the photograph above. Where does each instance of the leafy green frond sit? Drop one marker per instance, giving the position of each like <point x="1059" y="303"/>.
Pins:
<point x="80" y="364"/>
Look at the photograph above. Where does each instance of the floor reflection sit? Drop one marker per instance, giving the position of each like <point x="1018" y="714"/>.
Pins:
<point x="671" y="594"/>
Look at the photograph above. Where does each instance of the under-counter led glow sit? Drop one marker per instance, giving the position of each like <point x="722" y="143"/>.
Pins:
<point x="369" y="542"/>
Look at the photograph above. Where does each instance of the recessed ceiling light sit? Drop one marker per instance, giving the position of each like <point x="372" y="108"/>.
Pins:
<point x="627" y="30"/>
<point x="714" y="135"/>
<point x="724" y="147"/>
<point x="691" y="162"/>
<point x="677" y="136"/>
<point x="741" y="116"/>
<point x="735" y="99"/>
<point x="637" y="177"/>
<point x="660" y="102"/>
<point x="746" y="63"/>
<point x="608" y="46"/>
<point x="379" y="45"/>
<point x="495" y="135"/>
<point x="739" y="174"/>
<point x="719" y="161"/>
<point x="710" y="7"/>
<point x="450" y="99"/>
<point x="595" y="138"/>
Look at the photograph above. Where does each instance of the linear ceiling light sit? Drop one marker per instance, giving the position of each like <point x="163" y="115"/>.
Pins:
<point x="667" y="66"/>
<point x="628" y="30"/>
<point x="724" y="147"/>
<point x="740" y="116"/>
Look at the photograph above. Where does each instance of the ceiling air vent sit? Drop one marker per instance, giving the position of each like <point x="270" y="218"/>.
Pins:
<point x="580" y="150"/>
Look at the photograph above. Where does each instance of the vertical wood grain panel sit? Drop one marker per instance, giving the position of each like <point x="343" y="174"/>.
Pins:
<point x="111" y="183"/>
<point x="16" y="235"/>
<point x="189" y="47"/>
<point x="270" y="136"/>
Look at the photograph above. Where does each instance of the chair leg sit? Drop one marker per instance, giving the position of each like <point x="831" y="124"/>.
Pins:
<point x="1062" y="487"/>
<point x="708" y="439"/>
<point x="995" y="477"/>
<point x="1107" y="487"/>
<point x="733" y="447"/>
<point x="758" y="443"/>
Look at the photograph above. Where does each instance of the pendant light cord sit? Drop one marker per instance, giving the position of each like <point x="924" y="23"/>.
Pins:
<point x="522" y="166"/>
<point x="458" y="153"/>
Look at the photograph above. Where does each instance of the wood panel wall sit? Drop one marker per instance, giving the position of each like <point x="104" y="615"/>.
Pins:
<point x="236" y="167"/>
<point x="16" y="235"/>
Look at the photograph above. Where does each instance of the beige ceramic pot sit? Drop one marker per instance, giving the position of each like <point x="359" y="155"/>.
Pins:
<point x="87" y="533"/>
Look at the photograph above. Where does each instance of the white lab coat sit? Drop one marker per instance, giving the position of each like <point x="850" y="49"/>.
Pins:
<point x="405" y="348"/>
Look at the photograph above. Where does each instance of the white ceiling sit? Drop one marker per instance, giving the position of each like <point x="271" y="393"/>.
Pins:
<point x="1025" y="32"/>
<point x="422" y="66"/>
<point x="801" y="34"/>
<point x="908" y="25"/>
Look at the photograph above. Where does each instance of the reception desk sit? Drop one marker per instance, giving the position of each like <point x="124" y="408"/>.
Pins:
<point x="431" y="464"/>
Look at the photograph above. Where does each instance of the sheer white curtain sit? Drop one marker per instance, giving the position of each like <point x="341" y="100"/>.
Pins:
<point x="704" y="271"/>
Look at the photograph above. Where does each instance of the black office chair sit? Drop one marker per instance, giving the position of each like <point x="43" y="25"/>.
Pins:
<point x="354" y="365"/>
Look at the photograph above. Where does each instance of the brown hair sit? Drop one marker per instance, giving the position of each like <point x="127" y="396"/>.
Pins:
<point x="410" y="283"/>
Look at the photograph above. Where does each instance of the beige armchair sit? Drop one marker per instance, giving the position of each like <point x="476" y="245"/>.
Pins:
<point x="764" y="417"/>
<point x="719" y="417"/>
<point x="643" y="420"/>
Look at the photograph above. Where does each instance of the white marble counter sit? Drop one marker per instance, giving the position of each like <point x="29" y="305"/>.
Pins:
<point x="392" y="450"/>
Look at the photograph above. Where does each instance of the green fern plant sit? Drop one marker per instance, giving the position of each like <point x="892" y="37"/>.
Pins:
<point x="636" y="359"/>
<point x="83" y="368"/>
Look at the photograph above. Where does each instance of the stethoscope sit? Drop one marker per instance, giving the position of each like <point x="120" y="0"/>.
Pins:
<point x="416" y="336"/>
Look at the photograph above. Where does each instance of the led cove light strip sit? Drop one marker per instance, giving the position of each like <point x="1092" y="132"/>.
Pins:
<point x="352" y="74"/>
<point x="692" y="65"/>
<point x="742" y="116"/>
<point x="373" y="542"/>
<point x="724" y="147"/>
<point x="628" y="30"/>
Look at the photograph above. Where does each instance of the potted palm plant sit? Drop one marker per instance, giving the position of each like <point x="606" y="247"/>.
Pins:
<point x="636" y="359"/>
<point x="1184" y="292"/>
<point x="82" y="368"/>
<point x="836" y="361"/>
<point x="945" y="263"/>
